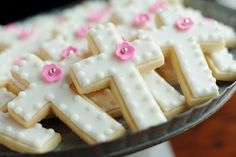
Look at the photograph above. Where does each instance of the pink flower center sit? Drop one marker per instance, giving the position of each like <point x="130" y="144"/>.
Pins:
<point x="51" y="73"/>
<point x="184" y="23"/>
<point x="141" y="20"/>
<point x="125" y="51"/>
<point x="67" y="51"/>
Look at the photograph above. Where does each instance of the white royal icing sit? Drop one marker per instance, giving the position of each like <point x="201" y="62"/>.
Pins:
<point x="139" y="101"/>
<point x="166" y="96"/>
<point x="5" y="97"/>
<point x="36" y="136"/>
<point x="96" y="123"/>
<point x="224" y="61"/>
<point x="189" y="54"/>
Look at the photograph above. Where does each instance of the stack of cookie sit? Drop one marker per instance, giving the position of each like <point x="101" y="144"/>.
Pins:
<point x="98" y="61"/>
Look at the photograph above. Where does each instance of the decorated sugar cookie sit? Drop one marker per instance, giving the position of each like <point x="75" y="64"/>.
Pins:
<point x="48" y="89"/>
<point x="222" y="65"/>
<point x="170" y="100"/>
<point x="181" y="36"/>
<point x="131" y="20"/>
<point x="116" y="63"/>
<point x="26" y="140"/>
<point x="226" y="74"/>
<point x="57" y="50"/>
<point x="5" y="97"/>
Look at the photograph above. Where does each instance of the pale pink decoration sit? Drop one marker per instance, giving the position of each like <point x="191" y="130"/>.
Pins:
<point x="51" y="73"/>
<point x="11" y="26"/>
<point x="61" y="19"/>
<point x="25" y="34"/>
<point x="81" y="31"/>
<point x="157" y="5"/>
<point x="141" y="20"/>
<point x="96" y="15"/>
<point x="208" y="19"/>
<point x="125" y="50"/>
<point x="184" y="23"/>
<point x="18" y="60"/>
<point x="67" y="51"/>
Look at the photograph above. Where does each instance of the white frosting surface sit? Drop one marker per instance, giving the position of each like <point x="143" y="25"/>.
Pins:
<point x="224" y="61"/>
<point x="96" y="123"/>
<point x="5" y="97"/>
<point x="167" y="97"/>
<point x="126" y="76"/>
<point x="36" y="136"/>
<point x="190" y="57"/>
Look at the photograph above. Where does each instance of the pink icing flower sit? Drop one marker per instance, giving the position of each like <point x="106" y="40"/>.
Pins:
<point x="51" y="73"/>
<point x="81" y="31"/>
<point x="125" y="50"/>
<point x="157" y="5"/>
<point x="25" y="34"/>
<point x="67" y="51"/>
<point x="18" y="60"/>
<point x="141" y="20"/>
<point x="96" y="16"/>
<point x="11" y="26"/>
<point x="184" y="23"/>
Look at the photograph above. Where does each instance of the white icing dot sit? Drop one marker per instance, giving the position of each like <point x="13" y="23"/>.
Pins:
<point x="62" y="106"/>
<point x="127" y="91"/>
<point x="11" y="104"/>
<point x="23" y="63"/>
<point x="50" y="131"/>
<point x="28" y="116"/>
<point x="81" y="73"/>
<point x="100" y="75"/>
<point x="88" y="128"/>
<point x="18" y="110"/>
<point x="86" y="81"/>
<point x="9" y="129"/>
<point x="38" y="126"/>
<point x="109" y="132"/>
<point x="121" y="80"/>
<point x="65" y="86"/>
<point x="22" y="94"/>
<point x="33" y="85"/>
<point x="89" y="60"/>
<point x="20" y="135"/>
<point x="112" y="71"/>
<point x="50" y="97"/>
<point x="75" y="117"/>
<point x="101" y="137"/>
<point x="38" y="105"/>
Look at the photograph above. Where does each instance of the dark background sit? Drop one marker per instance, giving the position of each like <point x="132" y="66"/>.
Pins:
<point x="12" y="10"/>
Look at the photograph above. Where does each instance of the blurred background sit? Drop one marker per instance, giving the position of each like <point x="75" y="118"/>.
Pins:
<point x="213" y="138"/>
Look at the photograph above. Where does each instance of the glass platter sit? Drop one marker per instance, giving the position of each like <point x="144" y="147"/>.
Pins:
<point x="74" y="147"/>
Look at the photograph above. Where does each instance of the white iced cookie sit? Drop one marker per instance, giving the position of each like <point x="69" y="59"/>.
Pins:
<point x="229" y="36"/>
<point x="117" y="63"/>
<point x="222" y="65"/>
<point x="183" y="40"/>
<point x="26" y="140"/>
<point x="5" y="97"/>
<point x="89" y="12"/>
<point x="53" y="50"/>
<point x="48" y="90"/>
<point x="75" y="33"/>
<point x="135" y="16"/>
<point x="170" y="100"/>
